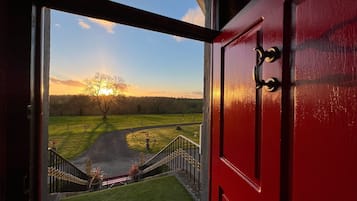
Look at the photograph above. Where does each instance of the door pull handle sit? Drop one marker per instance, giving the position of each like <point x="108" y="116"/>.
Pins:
<point x="269" y="56"/>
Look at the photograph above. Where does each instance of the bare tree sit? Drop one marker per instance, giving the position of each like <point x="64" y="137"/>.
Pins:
<point x="104" y="89"/>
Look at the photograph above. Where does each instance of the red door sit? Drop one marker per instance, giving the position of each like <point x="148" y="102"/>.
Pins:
<point x="304" y="133"/>
<point x="246" y="119"/>
<point x="324" y="147"/>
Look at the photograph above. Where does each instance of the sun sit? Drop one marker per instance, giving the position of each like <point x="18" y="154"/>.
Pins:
<point x="105" y="92"/>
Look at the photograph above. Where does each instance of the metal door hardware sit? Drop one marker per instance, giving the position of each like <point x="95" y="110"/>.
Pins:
<point x="269" y="56"/>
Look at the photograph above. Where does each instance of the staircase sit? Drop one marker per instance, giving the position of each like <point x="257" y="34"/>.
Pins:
<point x="63" y="176"/>
<point x="182" y="156"/>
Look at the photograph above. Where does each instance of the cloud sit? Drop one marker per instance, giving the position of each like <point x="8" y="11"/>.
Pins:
<point x="177" y="94"/>
<point x="193" y="16"/>
<point x="140" y="91"/>
<point x="83" y="24"/>
<point x="107" y="25"/>
<point x="178" y="38"/>
<point x="122" y="87"/>
<point x="66" y="87"/>
<point x="197" y="93"/>
<point x="72" y="83"/>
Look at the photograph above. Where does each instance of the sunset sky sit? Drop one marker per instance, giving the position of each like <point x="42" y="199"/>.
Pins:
<point x="150" y="63"/>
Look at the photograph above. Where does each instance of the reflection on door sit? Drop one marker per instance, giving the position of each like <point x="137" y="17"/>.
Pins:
<point x="246" y="118"/>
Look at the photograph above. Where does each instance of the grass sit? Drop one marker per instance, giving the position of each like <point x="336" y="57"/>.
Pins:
<point x="163" y="188"/>
<point x="160" y="137"/>
<point x="74" y="134"/>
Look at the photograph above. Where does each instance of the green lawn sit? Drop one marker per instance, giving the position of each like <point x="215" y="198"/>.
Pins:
<point x="74" y="134"/>
<point x="159" y="189"/>
<point x="160" y="137"/>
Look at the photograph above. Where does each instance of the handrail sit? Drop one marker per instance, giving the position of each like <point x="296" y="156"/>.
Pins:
<point x="64" y="176"/>
<point x="180" y="155"/>
<point x="169" y="144"/>
<point x="67" y="161"/>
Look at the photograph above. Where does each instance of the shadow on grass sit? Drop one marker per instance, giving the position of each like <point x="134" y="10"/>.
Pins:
<point x="64" y="141"/>
<point x="96" y="131"/>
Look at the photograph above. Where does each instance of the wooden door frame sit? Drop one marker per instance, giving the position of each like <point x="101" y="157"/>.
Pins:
<point x="37" y="76"/>
<point x="26" y="67"/>
<point x="122" y="14"/>
<point x="32" y="94"/>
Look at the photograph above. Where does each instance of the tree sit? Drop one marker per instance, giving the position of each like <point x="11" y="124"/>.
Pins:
<point x="104" y="89"/>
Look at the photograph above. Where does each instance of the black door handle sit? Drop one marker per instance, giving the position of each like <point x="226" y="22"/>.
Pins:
<point x="269" y="56"/>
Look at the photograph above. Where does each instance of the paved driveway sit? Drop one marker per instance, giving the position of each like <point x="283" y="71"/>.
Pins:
<point x="111" y="153"/>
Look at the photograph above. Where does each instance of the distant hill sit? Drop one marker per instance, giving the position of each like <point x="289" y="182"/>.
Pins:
<point x="84" y="105"/>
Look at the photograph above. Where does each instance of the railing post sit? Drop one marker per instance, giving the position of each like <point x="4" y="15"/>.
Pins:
<point x="190" y="148"/>
<point x="199" y="172"/>
<point x="56" y="166"/>
<point x="181" y="159"/>
<point x="194" y="167"/>
<point x="175" y="157"/>
<point x="186" y="162"/>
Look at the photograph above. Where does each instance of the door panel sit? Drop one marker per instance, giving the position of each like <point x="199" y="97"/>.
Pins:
<point x="240" y="139"/>
<point x="246" y="122"/>
<point x="325" y="131"/>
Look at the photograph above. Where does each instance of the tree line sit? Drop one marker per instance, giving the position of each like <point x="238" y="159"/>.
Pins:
<point x="86" y="105"/>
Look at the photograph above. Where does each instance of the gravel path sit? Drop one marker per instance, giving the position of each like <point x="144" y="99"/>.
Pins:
<point x="111" y="154"/>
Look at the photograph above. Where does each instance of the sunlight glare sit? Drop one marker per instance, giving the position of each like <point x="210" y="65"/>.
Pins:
<point x="106" y="92"/>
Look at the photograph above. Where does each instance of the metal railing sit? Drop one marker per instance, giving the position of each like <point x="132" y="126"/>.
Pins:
<point x="63" y="176"/>
<point x="182" y="156"/>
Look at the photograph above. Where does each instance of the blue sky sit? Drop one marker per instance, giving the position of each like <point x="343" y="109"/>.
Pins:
<point x="150" y="63"/>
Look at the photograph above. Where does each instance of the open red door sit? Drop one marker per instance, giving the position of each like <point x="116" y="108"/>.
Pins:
<point x="246" y="110"/>
<point x="324" y="160"/>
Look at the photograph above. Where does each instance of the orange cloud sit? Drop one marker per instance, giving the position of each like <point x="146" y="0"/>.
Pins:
<point x="66" y="87"/>
<point x="137" y="91"/>
<point x="67" y="82"/>
<point x="197" y="93"/>
<point x="123" y="87"/>
<point x="176" y="94"/>
<point x="74" y="87"/>
<point x="107" y="25"/>
<point x="83" y="24"/>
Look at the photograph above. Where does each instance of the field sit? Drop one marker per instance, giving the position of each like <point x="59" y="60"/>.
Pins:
<point x="160" y="137"/>
<point x="71" y="135"/>
<point x="158" y="189"/>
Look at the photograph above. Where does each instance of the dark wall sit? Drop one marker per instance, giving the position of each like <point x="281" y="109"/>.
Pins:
<point x="226" y="10"/>
<point x="15" y="55"/>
